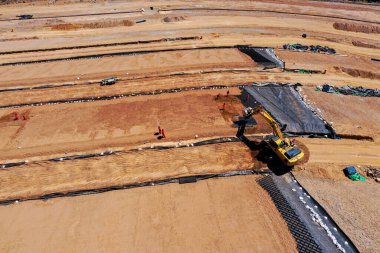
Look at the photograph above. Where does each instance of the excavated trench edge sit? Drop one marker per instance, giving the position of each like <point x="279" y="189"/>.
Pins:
<point x="180" y="180"/>
<point x="198" y="9"/>
<point x="132" y="94"/>
<point x="129" y="53"/>
<point x="266" y="11"/>
<point x="103" y="45"/>
<point x="106" y="153"/>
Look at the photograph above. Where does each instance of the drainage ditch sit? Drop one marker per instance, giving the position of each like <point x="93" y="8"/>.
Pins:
<point x="181" y="180"/>
<point x="263" y="55"/>
<point x="104" y="45"/>
<point x="152" y="147"/>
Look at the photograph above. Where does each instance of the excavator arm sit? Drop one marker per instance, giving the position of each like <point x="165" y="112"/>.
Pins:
<point x="273" y="123"/>
<point x="248" y="112"/>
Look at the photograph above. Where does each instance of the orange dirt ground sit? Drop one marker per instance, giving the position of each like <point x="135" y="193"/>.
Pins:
<point x="232" y="214"/>
<point x="128" y="121"/>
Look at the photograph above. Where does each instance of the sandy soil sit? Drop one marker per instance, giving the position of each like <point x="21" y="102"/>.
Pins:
<point x="353" y="205"/>
<point x="319" y="61"/>
<point x="216" y="215"/>
<point x="349" y="114"/>
<point x="220" y="218"/>
<point x="343" y="152"/>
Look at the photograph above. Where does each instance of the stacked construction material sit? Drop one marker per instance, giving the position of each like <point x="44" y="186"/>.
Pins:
<point x="349" y="90"/>
<point x="314" y="49"/>
<point x="263" y="56"/>
<point x="352" y="174"/>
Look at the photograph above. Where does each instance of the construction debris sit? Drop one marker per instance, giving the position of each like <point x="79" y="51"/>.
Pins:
<point x="306" y="71"/>
<point x="349" y="90"/>
<point x="263" y="55"/>
<point x="25" y="16"/>
<point x="374" y="173"/>
<point x="314" y="49"/>
<point x="108" y="81"/>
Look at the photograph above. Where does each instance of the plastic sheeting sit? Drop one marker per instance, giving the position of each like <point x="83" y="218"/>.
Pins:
<point x="263" y="55"/>
<point x="286" y="105"/>
<point x="350" y="90"/>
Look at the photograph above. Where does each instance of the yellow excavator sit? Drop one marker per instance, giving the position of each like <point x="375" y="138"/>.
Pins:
<point x="282" y="146"/>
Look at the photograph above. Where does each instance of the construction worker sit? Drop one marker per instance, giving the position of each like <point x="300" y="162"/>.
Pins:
<point x="228" y="92"/>
<point x="163" y="133"/>
<point x="16" y="116"/>
<point x="159" y="130"/>
<point x="224" y="106"/>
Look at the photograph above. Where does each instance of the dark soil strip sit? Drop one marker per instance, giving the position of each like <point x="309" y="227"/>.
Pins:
<point x="103" y="45"/>
<point x="180" y="180"/>
<point x="265" y="11"/>
<point x="305" y="242"/>
<point x="356" y="137"/>
<point x="375" y="59"/>
<point x="40" y="87"/>
<point x="132" y="94"/>
<point x="145" y="93"/>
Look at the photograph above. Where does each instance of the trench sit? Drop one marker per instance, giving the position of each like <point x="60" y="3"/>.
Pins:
<point x="182" y="73"/>
<point x="132" y="94"/>
<point x="267" y="11"/>
<point x="243" y="48"/>
<point x="103" y="45"/>
<point x="152" y="147"/>
<point x="180" y="180"/>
